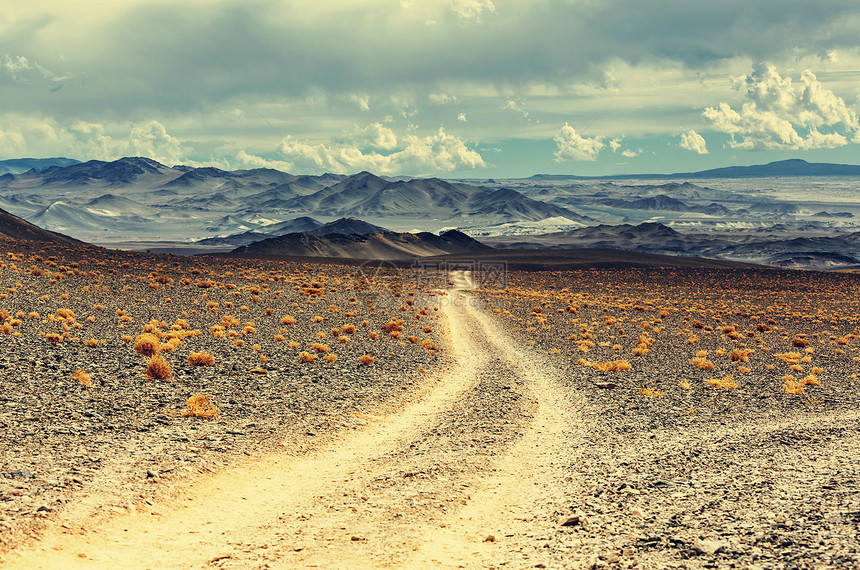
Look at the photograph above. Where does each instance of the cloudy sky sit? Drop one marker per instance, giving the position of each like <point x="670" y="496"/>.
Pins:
<point x="457" y="88"/>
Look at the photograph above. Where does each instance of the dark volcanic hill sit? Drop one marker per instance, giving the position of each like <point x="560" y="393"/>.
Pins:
<point x="379" y="245"/>
<point x="16" y="228"/>
<point x="346" y="226"/>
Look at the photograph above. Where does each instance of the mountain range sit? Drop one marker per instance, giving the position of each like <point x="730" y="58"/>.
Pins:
<point x="790" y="167"/>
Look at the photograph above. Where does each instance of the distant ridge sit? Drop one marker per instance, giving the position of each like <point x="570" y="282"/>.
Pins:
<point x="791" y="167"/>
<point x="18" y="165"/>
<point x="13" y="227"/>
<point x="378" y="245"/>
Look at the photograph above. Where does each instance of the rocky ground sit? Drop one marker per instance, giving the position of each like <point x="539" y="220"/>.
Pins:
<point x="531" y="450"/>
<point x="64" y="441"/>
<point x="685" y="474"/>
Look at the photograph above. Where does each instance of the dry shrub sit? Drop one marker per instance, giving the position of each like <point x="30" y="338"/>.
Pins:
<point x="650" y="393"/>
<point x="91" y="342"/>
<point x="811" y="380"/>
<point x="740" y="355"/>
<point x="789" y="357"/>
<point x="147" y="344"/>
<point x="201" y="359"/>
<point x="611" y="366"/>
<point x="702" y="363"/>
<point x="199" y="406"/>
<point x="366" y="360"/>
<point x="349" y="329"/>
<point x="305" y="356"/>
<point x="157" y="368"/>
<point x="799" y="342"/>
<point x="331" y="357"/>
<point x="724" y="383"/>
<point x="321" y="348"/>
<point x="279" y="338"/>
<point x="293" y="344"/>
<point x="83" y="378"/>
<point x="53" y="338"/>
<point x="373" y="335"/>
<point x="288" y="320"/>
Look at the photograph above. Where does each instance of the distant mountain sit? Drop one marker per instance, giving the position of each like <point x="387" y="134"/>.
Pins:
<point x="122" y="171"/>
<point x="16" y="228"/>
<point x="664" y="203"/>
<point x="365" y="194"/>
<point x="791" y="167"/>
<point x="17" y="165"/>
<point x="303" y="224"/>
<point x="379" y="245"/>
<point x="347" y="227"/>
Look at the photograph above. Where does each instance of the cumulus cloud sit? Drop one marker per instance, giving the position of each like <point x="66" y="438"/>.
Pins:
<point x="573" y="146"/>
<point x="31" y="135"/>
<point x="22" y="70"/>
<point x="693" y="141"/>
<point x="615" y="144"/>
<point x="778" y="114"/>
<point x="374" y="135"/>
<point x="628" y="153"/>
<point x="435" y="153"/>
<point x="461" y="117"/>
<point x="152" y="140"/>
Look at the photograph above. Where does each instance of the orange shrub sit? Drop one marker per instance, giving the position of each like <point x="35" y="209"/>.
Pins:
<point x="199" y="406"/>
<point x="83" y="378"/>
<point x="307" y="356"/>
<point x="366" y="360"/>
<point x="201" y="359"/>
<point x="147" y="344"/>
<point x="157" y="368"/>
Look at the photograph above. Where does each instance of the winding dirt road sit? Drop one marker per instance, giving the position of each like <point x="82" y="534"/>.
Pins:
<point x="466" y="477"/>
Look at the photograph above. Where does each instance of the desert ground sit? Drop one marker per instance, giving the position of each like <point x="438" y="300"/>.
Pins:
<point x="162" y="411"/>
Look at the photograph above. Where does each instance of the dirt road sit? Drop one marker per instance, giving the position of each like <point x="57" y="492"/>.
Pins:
<point x="466" y="477"/>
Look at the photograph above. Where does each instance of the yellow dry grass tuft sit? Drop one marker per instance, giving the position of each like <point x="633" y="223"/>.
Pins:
<point x="650" y="393"/>
<point x="147" y="344"/>
<point x="157" y="368"/>
<point x="702" y="363"/>
<point x="201" y="359"/>
<point x="199" y="406"/>
<point x="725" y="383"/>
<point x="305" y="356"/>
<point x="83" y="378"/>
<point x="366" y="360"/>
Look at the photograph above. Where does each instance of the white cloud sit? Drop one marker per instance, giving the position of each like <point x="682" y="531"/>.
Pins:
<point x="630" y="153"/>
<point x="153" y="141"/>
<point x="461" y="117"/>
<point x="511" y="105"/>
<point x="374" y="135"/>
<point x="441" y="98"/>
<point x="471" y="10"/>
<point x="29" y="135"/>
<point x="435" y="153"/>
<point x="615" y="144"/>
<point x="776" y="113"/>
<point x="22" y="69"/>
<point x="573" y="146"/>
<point x="360" y="99"/>
<point x="691" y="140"/>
